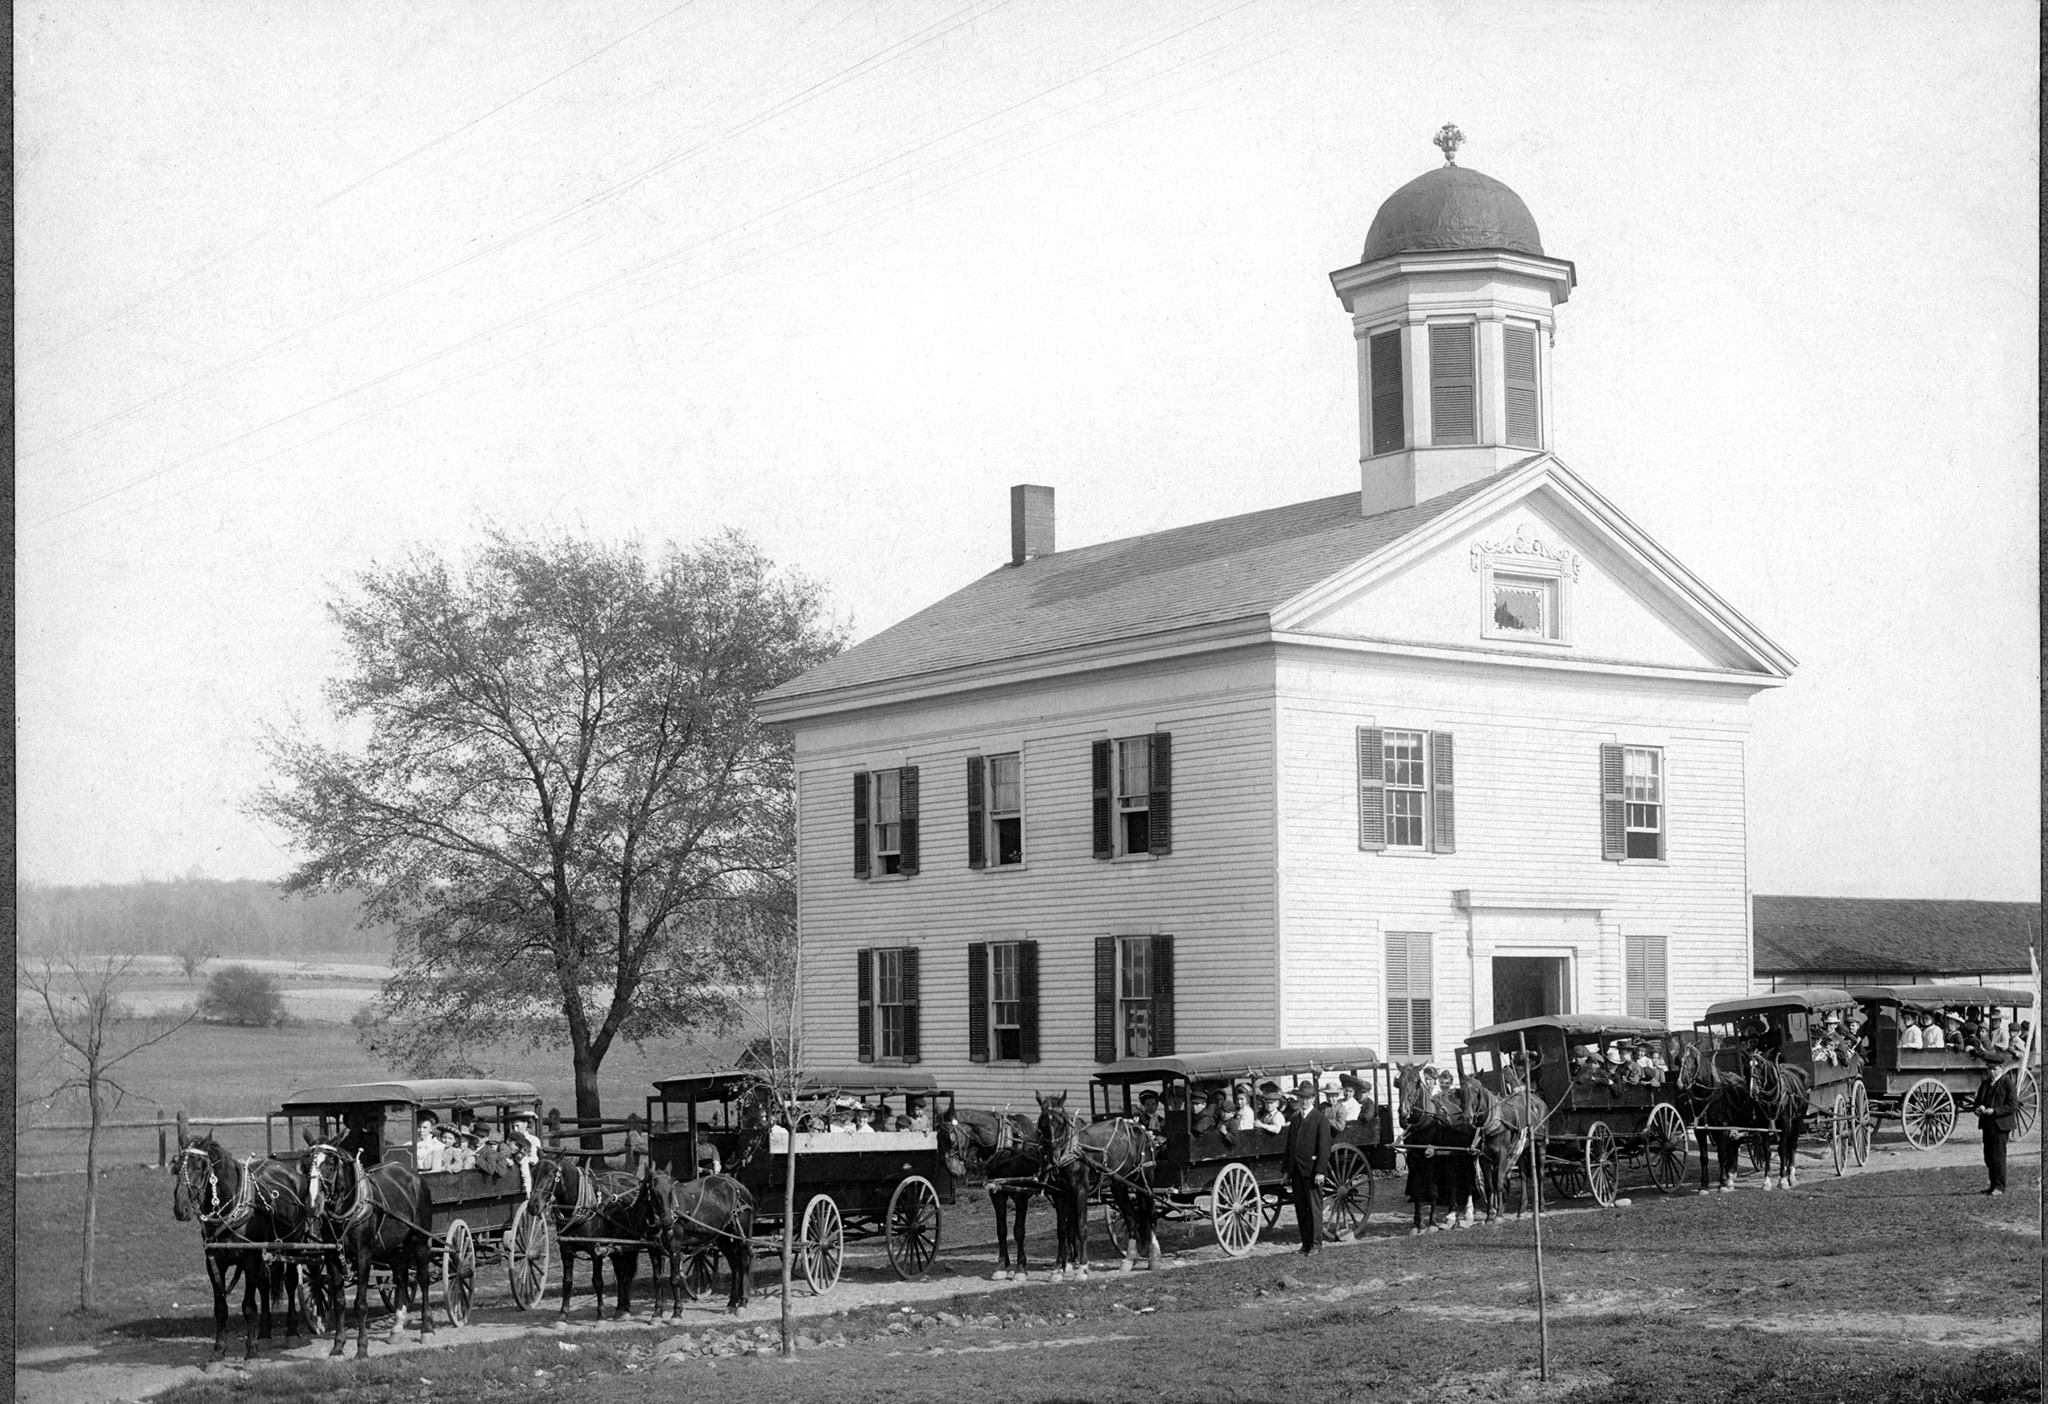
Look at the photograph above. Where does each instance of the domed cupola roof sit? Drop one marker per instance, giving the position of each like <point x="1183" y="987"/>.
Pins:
<point x="1452" y="208"/>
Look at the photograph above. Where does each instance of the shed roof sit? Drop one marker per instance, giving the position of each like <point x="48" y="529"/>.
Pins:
<point x="1905" y="935"/>
<point x="1244" y="1062"/>
<point x="419" y="1092"/>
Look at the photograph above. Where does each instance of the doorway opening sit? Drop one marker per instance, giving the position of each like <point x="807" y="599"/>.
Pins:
<point x="1527" y="987"/>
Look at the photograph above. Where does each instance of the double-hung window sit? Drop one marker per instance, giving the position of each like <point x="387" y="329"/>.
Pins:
<point x="1005" y="810"/>
<point x="1002" y="1001"/>
<point x="1405" y="797"/>
<point x="1405" y="767"/>
<point x="885" y="822"/>
<point x="1006" y="1004"/>
<point x="889" y="1003"/>
<point x="1133" y="997"/>
<point x="1633" y="815"/>
<point x="888" y="803"/>
<point x="1133" y="795"/>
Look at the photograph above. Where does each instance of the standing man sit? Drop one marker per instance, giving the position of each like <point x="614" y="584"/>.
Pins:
<point x="1308" y="1157"/>
<point x="1998" y="1103"/>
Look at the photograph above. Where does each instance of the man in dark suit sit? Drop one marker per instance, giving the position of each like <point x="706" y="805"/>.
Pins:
<point x="1998" y="1105"/>
<point x="1308" y="1157"/>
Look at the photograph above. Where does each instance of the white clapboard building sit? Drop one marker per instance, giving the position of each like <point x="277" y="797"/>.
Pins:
<point x="1463" y="746"/>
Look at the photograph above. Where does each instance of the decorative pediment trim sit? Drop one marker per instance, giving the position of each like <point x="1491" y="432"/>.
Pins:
<point x="1523" y="544"/>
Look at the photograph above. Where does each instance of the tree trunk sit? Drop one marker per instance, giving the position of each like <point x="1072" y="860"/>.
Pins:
<point x="788" y="1230"/>
<point x="92" y="1193"/>
<point x="587" y="1105"/>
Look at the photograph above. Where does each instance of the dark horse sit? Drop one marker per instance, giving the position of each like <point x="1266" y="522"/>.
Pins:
<point x="256" y="1203"/>
<point x="713" y="1214"/>
<point x="1005" y="1147"/>
<point x="1777" y="1095"/>
<point x="1709" y="1096"/>
<point x="1080" y="1157"/>
<point x="595" y="1204"/>
<point x="379" y="1215"/>
<point x="1508" y="1126"/>
<point x="1441" y="1142"/>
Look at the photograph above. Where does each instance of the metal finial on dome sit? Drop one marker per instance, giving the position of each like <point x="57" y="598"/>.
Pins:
<point x="1448" y="140"/>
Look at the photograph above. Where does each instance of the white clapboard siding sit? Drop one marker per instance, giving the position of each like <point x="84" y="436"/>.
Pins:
<point x="1214" y="893"/>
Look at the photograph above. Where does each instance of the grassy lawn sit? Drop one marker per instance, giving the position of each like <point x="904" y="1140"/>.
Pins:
<point x="1877" y="1288"/>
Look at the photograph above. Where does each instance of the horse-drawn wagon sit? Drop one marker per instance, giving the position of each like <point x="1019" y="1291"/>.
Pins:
<point x="1598" y="1111"/>
<point x="1926" y="1088"/>
<point x="1236" y="1179"/>
<point x="478" y="1216"/>
<point x="849" y="1183"/>
<point x="1761" y="1070"/>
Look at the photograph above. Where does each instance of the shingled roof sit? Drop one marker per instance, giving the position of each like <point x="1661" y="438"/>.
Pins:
<point x="1892" y="935"/>
<point x="1209" y="573"/>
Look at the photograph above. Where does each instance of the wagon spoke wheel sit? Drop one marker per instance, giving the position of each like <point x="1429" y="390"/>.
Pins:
<point x="1270" y="1205"/>
<point x="1119" y="1228"/>
<point x="822" y="1244"/>
<point x="1759" y="1149"/>
<point x="700" y="1273"/>
<point x="913" y="1227"/>
<point x="1863" y="1122"/>
<point x="1840" y="1132"/>
<point x="1668" y="1146"/>
<point x="458" y="1272"/>
<point x="1568" y="1178"/>
<point x="1350" y="1203"/>
<point x="1603" y="1174"/>
<point x="2030" y="1105"/>
<point x="529" y="1256"/>
<point x="1236" y="1209"/>
<point x="1928" y="1114"/>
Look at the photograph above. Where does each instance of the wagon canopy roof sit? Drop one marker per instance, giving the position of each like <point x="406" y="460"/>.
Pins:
<point x="1934" y="996"/>
<point x="1243" y="1062"/>
<point x="855" y="1081"/>
<point x="1623" y="1024"/>
<point x="1818" y="998"/>
<point x="419" y="1092"/>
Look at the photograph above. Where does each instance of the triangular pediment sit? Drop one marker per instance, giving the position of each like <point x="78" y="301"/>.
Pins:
<point x="1539" y="566"/>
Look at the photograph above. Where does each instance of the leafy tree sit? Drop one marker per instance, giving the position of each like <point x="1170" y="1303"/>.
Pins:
<point x="561" y="784"/>
<point x="194" y="952"/>
<point x="236" y="994"/>
<point x="91" y="1034"/>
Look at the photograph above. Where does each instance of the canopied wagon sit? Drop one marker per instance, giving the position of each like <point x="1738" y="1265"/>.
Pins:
<point x="1789" y="1028"/>
<point x="1927" y="1088"/>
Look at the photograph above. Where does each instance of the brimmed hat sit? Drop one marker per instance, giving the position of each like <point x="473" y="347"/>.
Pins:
<point x="1614" y="1053"/>
<point x="1304" y="1088"/>
<point x="426" y="1116"/>
<point x="1148" y="1092"/>
<point x="1269" y="1089"/>
<point x="1350" y="1082"/>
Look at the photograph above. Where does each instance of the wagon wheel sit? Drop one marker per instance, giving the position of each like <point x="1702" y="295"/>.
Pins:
<point x="1928" y="1114"/>
<point x="822" y="1244"/>
<point x="458" y="1272"/>
<point x="1840" y="1132"/>
<point x="315" y="1298"/>
<point x="1667" y="1145"/>
<point x="1568" y="1176"/>
<point x="700" y="1273"/>
<point x="529" y="1257"/>
<point x="1118" y="1227"/>
<point x="1759" y="1149"/>
<point x="1862" y="1122"/>
<point x="1603" y="1174"/>
<point x="1271" y="1202"/>
<point x="2030" y="1105"/>
<point x="1236" y="1209"/>
<point x="912" y="1227"/>
<point x="1350" y="1203"/>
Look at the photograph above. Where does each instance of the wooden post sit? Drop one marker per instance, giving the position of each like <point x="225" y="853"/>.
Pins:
<point x="163" y="1150"/>
<point x="1536" y="1201"/>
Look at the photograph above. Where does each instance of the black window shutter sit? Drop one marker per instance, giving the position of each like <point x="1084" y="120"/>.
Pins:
<point x="1162" y="996"/>
<point x="1525" y="421"/>
<point x="1105" y="999"/>
<point x="1027" y="1000"/>
<point x="1099" y="761"/>
<point x="865" y="962"/>
<point x="1159" y="823"/>
<point x="1372" y="789"/>
<point x="860" y="823"/>
<point x="907" y="862"/>
<point x="1389" y="428"/>
<point x="977" y="1002"/>
<point x="1443" y="808"/>
<point x="910" y="1046"/>
<point x="977" y="806"/>
<point x="1613" y="828"/>
<point x="1453" y="403"/>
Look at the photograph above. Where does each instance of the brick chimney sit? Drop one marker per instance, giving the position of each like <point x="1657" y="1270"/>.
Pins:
<point x="1030" y="523"/>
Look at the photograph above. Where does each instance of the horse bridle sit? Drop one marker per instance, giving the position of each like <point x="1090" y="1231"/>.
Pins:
<point x="230" y="1212"/>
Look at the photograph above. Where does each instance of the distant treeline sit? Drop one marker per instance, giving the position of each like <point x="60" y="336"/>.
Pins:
<point x="242" y="917"/>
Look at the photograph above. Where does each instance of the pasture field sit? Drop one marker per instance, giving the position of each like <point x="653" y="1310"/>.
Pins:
<point x="1878" y="1289"/>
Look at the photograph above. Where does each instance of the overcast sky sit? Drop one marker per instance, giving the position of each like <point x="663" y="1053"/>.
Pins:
<point x="301" y="285"/>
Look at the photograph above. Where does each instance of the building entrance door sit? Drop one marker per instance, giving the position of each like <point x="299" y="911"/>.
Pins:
<point x="1526" y="987"/>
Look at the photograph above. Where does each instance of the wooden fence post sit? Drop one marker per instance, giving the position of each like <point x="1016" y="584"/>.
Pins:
<point x="163" y="1150"/>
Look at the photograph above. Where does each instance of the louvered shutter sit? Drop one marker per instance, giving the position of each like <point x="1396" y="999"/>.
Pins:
<point x="1398" y="1033"/>
<point x="1453" y="403"/>
<point x="910" y="1039"/>
<point x="977" y="813"/>
<point x="1372" y="789"/>
<point x="1105" y="999"/>
<point x="977" y="1002"/>
<point x="1525" y="420"/>
<point x="1099" y="767"/>
<point x="1637" y="1004"/>
<point x="906" y="863"/>
<point x="1421" y="1021"/>
<point x="1389" y="425"/>
<point x="1159" y="822"/>
<point x="1657" y="999"/>
<point x="1443" y="808"/>
<point x="1162" y="996"/>
<point x="1027" y="1000"/>
<point x="860" y="824"/>
<point x="1613" y="823"/>
<point x="864" y="982"/>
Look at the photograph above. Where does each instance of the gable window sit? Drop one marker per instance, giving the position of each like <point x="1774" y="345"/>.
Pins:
<point x="995" y="811"/>
<point x="1411" y="1030"/>
<point x="1526" y="606"/>
<point x="885" y="822"/>
<point x="1647" y="997"/>
<point x="1632" y="809"/>
<point x="1524" y="394"/>
<point x="1453" y="388"/>
<point x="1389" y="424"/>
<point x="1002" y="1001"/>
<point x="1133" y="997"/>
<point x="1133" y="795"/>
<point x="1406" y="800"/>
<point x="887" y="986"/>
